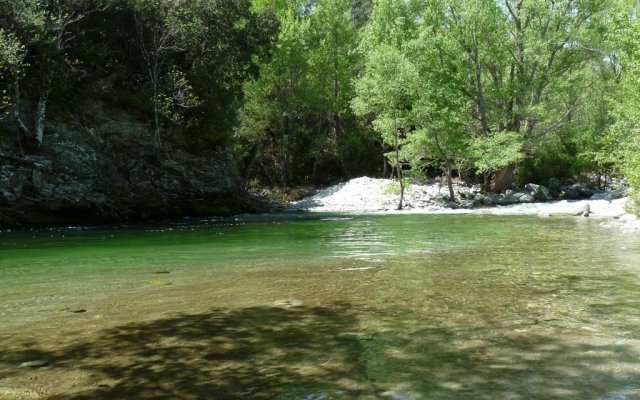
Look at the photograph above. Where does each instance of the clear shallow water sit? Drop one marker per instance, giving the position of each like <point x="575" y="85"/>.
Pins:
<point x="324" y="306"/>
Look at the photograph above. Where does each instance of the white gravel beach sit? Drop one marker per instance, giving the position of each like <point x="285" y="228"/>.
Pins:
<point x="374" y="195"/>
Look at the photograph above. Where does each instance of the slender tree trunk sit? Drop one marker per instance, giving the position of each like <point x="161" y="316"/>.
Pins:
<point x="384" y="159"/>
<point x="314" y="170"/>
<point x="156" y="126"/>
<point x="401" y="188"/>
<point x="23" y="130"/>
<point x="248" y="162"/>
<point x="482" y="109"/>
<point x="287" y="151"/>
<point x="155" y="82"/>
<point x="41" y="109"/>
<point x="452" y="196"/>
<point x="336" y="117"/>
<point x="285" y="168"/>
<point x="398" y="166"/>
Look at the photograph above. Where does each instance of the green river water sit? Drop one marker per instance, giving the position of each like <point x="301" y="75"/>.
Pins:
<point x="323" y="307"/>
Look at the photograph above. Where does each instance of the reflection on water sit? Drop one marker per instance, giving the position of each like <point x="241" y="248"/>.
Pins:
<point x="361" y="240"/>
<point x="323" y="307"/>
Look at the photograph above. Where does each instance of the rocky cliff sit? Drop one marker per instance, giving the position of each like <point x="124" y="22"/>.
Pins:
<point x="102" y="167"/>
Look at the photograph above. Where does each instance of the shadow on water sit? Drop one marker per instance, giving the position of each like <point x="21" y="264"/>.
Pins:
<point x="324" y="353"/>
<point x="259" y="352"/>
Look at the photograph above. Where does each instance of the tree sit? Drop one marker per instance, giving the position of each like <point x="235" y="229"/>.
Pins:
<point x="441" y="111"/>
<point x="220" y="41"/>
<point x="46" y="31"/>
<point x="622" y="142"/>
<point x="11" y="63"/>
<point x="386" y="92"/>
<point x="520" y="58"/>
<point x="277" y="100"/>
<point x="333" y="61"/>
<point x="158" y="40"/>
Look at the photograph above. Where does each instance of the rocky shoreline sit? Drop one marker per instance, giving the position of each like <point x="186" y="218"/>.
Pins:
<point x="371" y="195"/>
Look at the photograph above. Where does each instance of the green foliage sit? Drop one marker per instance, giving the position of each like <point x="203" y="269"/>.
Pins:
<point x="11" y="58"/>
<point x="177" y="96"/>
<point x="315" y="90"/>
<point x="621" y="145"/>
<point x="386" y="92"/>
<point x="494" y="152"/>
<point x="297" y="110"/>
<point x="624" y="135"/>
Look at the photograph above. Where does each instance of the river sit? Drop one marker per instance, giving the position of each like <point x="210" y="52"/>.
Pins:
<point x="323" y="306"/>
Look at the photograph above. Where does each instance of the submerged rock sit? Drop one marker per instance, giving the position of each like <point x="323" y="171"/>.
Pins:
<point x="34" y="364"/>
<point x="288" y="303"/>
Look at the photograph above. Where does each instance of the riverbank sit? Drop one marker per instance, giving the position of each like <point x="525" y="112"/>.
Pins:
<point x="106" y="169"/>
<point x="372" y="195"/>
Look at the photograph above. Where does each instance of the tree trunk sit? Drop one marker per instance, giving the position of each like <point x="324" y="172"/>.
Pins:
<point x="503" y="179"/>
<point x="452" y="196"/>
<point x="41" y="109"/>
<point x="156" y="125"/>
<point x="401" y="188"/>
<point x="398" y="166"/>
<point x="384" y="159"/>
<point x="23" y="130"/>
<point x="248" y="162"/>
<point x="314" y="171"/>
<point x="155" y="82"/>
<point x="287" y="151"/>
<point x="285" y="168"/>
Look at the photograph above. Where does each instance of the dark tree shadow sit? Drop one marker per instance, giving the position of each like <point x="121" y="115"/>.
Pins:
<point x="325" y="353"/>
<point x="259" y="352"/>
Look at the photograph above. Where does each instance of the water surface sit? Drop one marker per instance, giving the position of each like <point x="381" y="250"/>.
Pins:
<point x="322" y="307"/>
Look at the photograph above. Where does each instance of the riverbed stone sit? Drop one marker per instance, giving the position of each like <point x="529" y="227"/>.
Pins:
<point x="34" y="363"/>
<point x="583" y="210"/>
<point x="539" y="192"/>
<point x="526" y="198"/>
<point x="288" y="303"/>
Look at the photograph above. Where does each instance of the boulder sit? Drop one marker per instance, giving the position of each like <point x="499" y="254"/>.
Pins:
<point x="576" y="191"/>
<point x="583" y="210"/>
<point x="526" y="198"/>
<point x="539" y="192"/>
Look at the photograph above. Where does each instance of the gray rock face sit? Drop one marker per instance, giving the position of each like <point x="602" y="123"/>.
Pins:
<point x="112" y="173"/>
